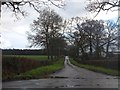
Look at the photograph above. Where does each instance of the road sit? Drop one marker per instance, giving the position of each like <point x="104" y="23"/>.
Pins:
<point x="69" y="77"/>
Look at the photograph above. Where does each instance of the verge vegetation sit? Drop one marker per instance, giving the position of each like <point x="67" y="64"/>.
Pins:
<point x="96" y="68"/>
<point x="42" y="72"/>
<point x="17" y="68"/>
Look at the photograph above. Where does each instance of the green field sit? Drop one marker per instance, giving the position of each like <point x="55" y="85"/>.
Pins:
<point x="33" y="57"/>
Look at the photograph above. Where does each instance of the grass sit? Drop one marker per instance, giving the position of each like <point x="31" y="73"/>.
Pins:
<point x="41" y="72"/>
<point x="33" y="57"/>
<point x="96" y="68"/>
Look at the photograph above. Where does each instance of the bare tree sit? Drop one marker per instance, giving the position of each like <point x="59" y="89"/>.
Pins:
<point x="93" y="30"/>
<point x="105" y="5"/>
<point x="47" y="26"/>
<point x="76" y="36"/>
<point x="111" y="36"/>
<point x="88" y="36"/>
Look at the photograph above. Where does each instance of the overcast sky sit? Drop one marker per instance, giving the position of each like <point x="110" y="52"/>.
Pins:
<point x="13" y="32"/>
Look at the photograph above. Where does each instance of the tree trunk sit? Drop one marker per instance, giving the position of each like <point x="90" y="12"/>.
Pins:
<point x="83" y="53"/>
<point x="77" y="53"/>
<point x="51" y="52"/>
<point x="90" y="46"/>
<point x="107" y="49"/>
<point x="47" y="43"/>
<point x="48" y="51"/>
<point x="59" y="52"/>
<point x="82" y="50"/>
<point x="97" y="48"/>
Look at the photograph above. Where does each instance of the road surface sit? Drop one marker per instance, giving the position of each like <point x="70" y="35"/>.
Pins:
<point x="69" y="77"/>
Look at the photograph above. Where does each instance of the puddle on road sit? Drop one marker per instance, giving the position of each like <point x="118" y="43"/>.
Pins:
<point x="107" y="78"/>
<point x="98" y="84"/>
<point x="57" y="77"/>
<point x="79" y="78"/>
<point x="62" y="77"/>
<point x="77" y="85"/>
<point x="116" y="78"/>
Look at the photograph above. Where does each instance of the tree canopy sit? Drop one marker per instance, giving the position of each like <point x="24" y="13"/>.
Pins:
<point x="46" y="31"/>
<point x="92" y="38"/>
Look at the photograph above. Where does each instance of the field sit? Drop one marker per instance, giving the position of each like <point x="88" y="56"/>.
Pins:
<point x="14" y="67"/>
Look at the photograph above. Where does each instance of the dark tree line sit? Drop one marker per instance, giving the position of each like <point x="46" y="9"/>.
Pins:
<point x="23" y="52"/>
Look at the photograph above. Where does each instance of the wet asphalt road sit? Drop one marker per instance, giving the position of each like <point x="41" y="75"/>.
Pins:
<point x="69" y="77"/>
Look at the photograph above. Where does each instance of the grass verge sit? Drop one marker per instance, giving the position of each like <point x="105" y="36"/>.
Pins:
<point x="96" y="68"/>
<point x="41" y="72"/>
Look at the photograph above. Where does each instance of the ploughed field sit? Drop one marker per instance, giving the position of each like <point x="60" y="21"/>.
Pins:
<point x="16" y="67"/>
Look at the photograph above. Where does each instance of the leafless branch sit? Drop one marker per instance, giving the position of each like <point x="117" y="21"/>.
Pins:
<point x="15" y="6"/>
<point x="97" y="6"/>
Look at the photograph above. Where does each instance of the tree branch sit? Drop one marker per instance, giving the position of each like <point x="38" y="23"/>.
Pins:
<point x="97" y="6"/>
